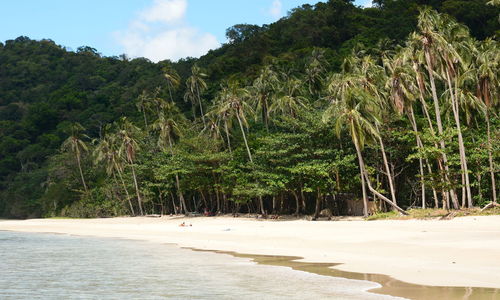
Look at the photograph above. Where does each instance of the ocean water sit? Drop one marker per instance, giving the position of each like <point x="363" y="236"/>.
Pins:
<point x="51" y="266"/>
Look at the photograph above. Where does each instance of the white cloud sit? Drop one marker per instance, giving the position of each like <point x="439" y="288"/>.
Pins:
<point x="276" y="9"/>
<point x="167" y="11"/>
<point x="161" y="32"/>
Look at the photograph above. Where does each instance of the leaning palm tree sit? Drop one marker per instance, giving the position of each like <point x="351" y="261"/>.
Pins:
<point x="487" y="68"/>
<point x="107" y="151"/>
<point x="403" y="92"/>
<point x="169" y="130"/>
<point x="315" y="71"/>
<point x="75" y="144"/>
<point x="173" y="79"/>
<point x="233" y="102"/>
<point x="143" y="104"/>
<point x="429" y="40"/>
<point x="220" y="116"/>
<point x="195" y="85"/>
<point x="288" y="100"/>
<point x="262" y="90"/>
<point x="357" y="110"/>
<point x="129" y="145"/>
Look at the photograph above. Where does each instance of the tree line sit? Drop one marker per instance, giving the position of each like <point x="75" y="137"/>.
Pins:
<point x="413" y="125"/>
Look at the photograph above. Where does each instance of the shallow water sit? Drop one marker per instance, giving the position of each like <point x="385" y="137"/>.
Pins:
<point x="49" y="266"/>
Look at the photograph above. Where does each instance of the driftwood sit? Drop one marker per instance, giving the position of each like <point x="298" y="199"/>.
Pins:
<point x="490" y="205"/>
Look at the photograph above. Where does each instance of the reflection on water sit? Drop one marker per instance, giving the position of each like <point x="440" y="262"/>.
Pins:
<point x="390" y="286"/>
<point x="47" y="266"/>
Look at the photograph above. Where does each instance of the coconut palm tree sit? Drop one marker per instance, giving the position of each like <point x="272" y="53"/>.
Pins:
<point x="169" y="130"/>
<point x="143" y="104"/>
<point x="358" y="112"/>
<point x="262" y="90"/>
<point x="173" y="79"/>
<point x="429" y="41"/>
<point x="487" y="70"/>
<point x="195" y="85"/>
<point x="315" y="71"/>
<point x="233" y="103"/>
<point x="288" y="100"/>
<point x="75" y="144"/>
<point x="107" y="150"/>
<point x="403" y="92"/>
<point x="128" y="149"/>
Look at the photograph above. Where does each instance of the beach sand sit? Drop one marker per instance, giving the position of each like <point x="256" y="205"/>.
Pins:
<point x="461" y="252"/>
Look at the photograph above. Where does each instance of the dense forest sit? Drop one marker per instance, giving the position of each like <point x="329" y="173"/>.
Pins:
<point x="397" y="104"/>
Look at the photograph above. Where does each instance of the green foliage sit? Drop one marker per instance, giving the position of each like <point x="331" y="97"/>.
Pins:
<point x="146" y="145"/>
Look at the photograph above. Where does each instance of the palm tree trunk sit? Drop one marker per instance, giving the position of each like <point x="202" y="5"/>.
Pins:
<point x="461" y="146"/>
<point x="126" y="193"/>
<point x="227" y="135"/>
<point x="439" y="123"/>
<point x="182" y="201"/>
<point x="201" y="105"/>
<point x="361" y="173"/>
<point x="145" y="119"/>
<point x="387" y="169"/>
<point x="490" y="159"/>
<point x="365" y="175"/>
<point x="81" y="173"/>
<point x="139" y="200"/>
<point x="244" y="137"/>
<point x="420" y="160"/>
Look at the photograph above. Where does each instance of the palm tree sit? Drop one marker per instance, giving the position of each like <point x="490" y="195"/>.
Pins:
<point x="262" y="90"/>
<point x="403" y="92"/>
<point x="107" y="150"/>
<point x="195" y="86"/>
<point x="487" y="62"/>
<point x="128" y="148"/>
<point x="76" y="145"/>
<point x="315" y="71"/>
<point x="233" y="103"/>
<point x="356" y="109"/>
<point x="221" y="114"/>
<point x="430" y="40"/>
<point x="173" y="79"/>
<point x="168" y="130"/>
<point x="288" y="100"/>
<point x="143" y="104"/>
<point x="363" y="73"/>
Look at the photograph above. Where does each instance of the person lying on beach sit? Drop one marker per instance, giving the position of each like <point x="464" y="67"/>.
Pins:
<point x="183" y="224"/>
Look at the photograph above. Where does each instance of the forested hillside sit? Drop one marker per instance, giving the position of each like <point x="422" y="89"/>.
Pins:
<point x="397" y="103"/>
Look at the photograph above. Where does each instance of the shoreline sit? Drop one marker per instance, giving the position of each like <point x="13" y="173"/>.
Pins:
<point x="463" y="252"/>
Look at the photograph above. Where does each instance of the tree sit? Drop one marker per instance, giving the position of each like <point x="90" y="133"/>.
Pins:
<point x="233" y="103"/>
<point x="107" y="150"/>
<point x="356" y="109"/>
<point x="75" y="144"/>
<point x="173" y="79"/>
<point x="169" y="130"/>
<point x="487" y="62"/>
<point x="262" y="90"/>
<point x="195" y="85"/>
<point x="129" y="145"/>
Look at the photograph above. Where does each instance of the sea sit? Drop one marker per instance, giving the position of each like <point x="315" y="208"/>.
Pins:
<point x="55" y="266"/>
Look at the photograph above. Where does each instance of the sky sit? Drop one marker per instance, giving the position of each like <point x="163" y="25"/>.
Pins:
<point x="155" y="29"/>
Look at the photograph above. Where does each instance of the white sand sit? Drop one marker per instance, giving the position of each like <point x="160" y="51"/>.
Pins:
<point x="458" y="252"/>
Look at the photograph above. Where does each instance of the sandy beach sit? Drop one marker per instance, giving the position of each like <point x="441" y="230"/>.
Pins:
<point x="460" y="252"/>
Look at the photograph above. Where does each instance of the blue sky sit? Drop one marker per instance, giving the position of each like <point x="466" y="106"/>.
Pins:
<point x="156" y="29"/>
